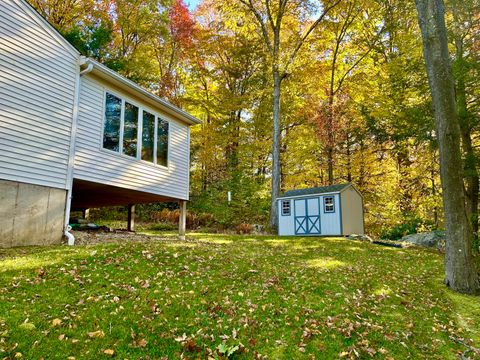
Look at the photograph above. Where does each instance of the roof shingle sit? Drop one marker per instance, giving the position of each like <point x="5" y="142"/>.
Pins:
<point x="315" y="190"/>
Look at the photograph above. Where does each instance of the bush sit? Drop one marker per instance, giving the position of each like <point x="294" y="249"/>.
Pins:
<point x="243" y="228"/>
<point x="194" y="221"/>
<point x="409" y="226"/>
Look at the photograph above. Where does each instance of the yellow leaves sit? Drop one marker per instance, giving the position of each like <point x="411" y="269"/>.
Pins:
<point x="61" y="337"/>
<point x="109" y="352"/>
<point x="96" y="334"/>
<point x="56" y="322"/>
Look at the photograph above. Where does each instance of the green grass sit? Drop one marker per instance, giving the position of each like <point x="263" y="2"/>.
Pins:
<point x="258" y="296"/>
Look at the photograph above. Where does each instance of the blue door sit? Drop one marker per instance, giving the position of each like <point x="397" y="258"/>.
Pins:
<point x="307" y="216"/>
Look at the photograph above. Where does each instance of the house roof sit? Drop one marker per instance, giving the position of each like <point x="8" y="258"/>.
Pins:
<point x="113" y="77"/>
<point x="316" y="190"/>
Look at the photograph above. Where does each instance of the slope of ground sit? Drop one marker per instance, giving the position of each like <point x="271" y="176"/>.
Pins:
<point x="151" y="296"/>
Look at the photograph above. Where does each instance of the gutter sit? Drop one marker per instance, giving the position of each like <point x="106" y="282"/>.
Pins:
<point x="71" y="159"/>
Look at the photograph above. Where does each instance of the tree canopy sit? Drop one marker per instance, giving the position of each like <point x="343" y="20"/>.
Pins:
<point x="354" y="95"/>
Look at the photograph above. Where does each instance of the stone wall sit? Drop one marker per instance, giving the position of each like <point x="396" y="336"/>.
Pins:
<point x="31" y="214"/>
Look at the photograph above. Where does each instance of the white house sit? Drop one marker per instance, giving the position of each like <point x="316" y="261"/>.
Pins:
<point x="75" y="134"/>
<point x="321" y="211"/>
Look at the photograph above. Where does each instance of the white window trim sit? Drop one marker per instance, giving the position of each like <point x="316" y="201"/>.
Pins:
<point x="289" y="207"/>
<point x="139" y="131"/>
<point x="325" y="205"/>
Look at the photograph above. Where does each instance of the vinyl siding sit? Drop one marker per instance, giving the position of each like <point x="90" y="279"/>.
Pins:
<point x="330" y="222"/>
<point x="93" y="163"/>
<point x="37" y="90"/>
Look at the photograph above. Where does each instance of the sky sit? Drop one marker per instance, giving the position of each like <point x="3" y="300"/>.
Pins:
<point x="192" y="4"/>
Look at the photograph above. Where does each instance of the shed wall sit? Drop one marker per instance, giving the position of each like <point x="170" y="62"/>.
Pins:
<point x="286" y="224"/>
<point x="93" y="163"/>
<point x="352" y="212"/>
<point x="330" y="222"/>
<point x="37" y="86"/>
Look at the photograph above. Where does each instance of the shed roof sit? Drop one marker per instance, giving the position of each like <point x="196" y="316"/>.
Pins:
<point x="316" y="190"/>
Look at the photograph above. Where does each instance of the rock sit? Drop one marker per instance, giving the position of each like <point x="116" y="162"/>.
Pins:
<point x="434" y="239"/>
<point x="359" y="237"/>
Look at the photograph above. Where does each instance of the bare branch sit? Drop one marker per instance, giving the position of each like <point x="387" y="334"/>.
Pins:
<point x="263" y="26"/>
<point x="306" y="35"/>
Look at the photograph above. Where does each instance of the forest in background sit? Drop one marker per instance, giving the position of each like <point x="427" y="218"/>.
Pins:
<point x="355" y="104"/>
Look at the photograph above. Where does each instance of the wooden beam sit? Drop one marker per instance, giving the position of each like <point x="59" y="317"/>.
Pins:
<point x="182" y="221"/>
<point x="131" y="217"/>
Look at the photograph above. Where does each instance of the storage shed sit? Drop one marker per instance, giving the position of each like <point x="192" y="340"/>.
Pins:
<point x="321" y="211"/>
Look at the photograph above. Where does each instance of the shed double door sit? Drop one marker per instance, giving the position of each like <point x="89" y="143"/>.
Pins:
<point x="307" y="216"/>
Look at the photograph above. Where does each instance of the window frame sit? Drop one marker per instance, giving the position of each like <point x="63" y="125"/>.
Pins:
<point x="325" y="211"/>
<point x="289" y="202"/>
<point x="141" y="109"/>
<point x="120" y="130"/>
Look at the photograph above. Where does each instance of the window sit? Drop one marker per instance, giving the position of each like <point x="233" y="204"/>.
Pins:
<point x="148" y="136"/>
<point x="162" y="142"/>
<point x="328" y="204"/>
<point x="111" y="131"/>
<point x="130" y="129"/>
<point x="286" y="210"/>
<point x="135" y="132"/>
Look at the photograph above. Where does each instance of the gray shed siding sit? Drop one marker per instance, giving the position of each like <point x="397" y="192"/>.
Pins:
<point x="93" y="163"/>
<point x="37" y="90"/>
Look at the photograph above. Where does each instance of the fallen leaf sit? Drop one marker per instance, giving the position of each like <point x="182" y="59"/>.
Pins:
<point x="56" y="322"/>
<point x="96" y="334"/>
<point x="109" y="352"/>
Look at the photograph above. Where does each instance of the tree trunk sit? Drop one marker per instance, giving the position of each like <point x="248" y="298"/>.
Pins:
<point x="330" y="135"/>
<point x="349" y="157"/>
<point x="277" y="81"/>
<point x="460" y="270"/>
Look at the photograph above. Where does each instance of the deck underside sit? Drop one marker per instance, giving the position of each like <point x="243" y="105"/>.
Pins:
<point x="88" y="194"/>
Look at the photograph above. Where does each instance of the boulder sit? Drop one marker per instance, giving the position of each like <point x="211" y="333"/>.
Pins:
<point x="435" y="239"/>
<point x="359" y="237"/>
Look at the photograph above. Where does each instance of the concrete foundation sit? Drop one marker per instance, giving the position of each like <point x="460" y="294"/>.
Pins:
<point x="31" y="214"/>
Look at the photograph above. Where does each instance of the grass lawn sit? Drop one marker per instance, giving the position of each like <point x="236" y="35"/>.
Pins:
<point x="216" y="295"/>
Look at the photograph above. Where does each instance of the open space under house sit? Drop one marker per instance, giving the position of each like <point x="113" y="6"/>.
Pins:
<point x="76" y="135"/>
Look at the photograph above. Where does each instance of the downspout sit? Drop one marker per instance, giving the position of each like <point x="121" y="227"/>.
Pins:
<point x="71" y="159"/>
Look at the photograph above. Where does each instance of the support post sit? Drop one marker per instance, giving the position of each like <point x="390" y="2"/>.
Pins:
<point x="86" y="214"/>
<point x="131" y="217"/>
<point x="182" y="220"/>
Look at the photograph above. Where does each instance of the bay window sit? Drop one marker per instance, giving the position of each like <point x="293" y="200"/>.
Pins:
<point x="133" y="131"/>
<point x="162" y="142"/>
<point x="148" y="136"/>
<point x="111" y="129"/>
<point x="130" y="129"/>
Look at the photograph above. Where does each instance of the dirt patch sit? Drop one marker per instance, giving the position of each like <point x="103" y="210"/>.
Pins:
<point x="104" y="237"/>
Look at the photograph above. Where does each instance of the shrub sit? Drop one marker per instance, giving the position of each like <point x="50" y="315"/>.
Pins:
<point x="409" y="226"/>
<point x="194" y="221"/>
<point x="243" y="228"/>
